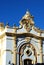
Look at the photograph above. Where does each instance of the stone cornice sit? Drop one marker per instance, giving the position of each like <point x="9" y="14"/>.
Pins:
<point x="21" y="34"/>
<point x="38" y="30"/>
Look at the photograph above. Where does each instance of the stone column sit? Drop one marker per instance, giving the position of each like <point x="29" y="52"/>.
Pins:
<point x="41" y="57"/>
<point x="34" y="62"/>
<point x="14" y="48"/>
<point x="0" y="57"/>
<point x="14" y="51"/>
<point x="20" y="60"/>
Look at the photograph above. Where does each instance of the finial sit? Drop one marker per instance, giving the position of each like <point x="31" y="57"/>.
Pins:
<point x="14" y="25"/>
<point x="27" y="12"/>
<point x="7" y="24"/>
<point x="1" y="24"/>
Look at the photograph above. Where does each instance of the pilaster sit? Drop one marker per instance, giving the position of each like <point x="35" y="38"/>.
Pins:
<point x="14" y="50"/>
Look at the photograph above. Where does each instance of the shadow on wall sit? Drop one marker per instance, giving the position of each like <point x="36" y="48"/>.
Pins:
<point x="34" y="64"/>
<point x="38" y="64"/>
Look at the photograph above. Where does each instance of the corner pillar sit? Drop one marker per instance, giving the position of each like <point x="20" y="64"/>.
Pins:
<point x="14" y="51"/>
<point x="14" y="55"/>
<point x="41" y="57"/>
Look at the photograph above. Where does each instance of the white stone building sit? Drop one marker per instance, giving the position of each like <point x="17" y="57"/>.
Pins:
<point x="21" y="45"/>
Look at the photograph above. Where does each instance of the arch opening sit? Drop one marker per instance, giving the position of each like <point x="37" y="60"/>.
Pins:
<point x="27" y="62"/>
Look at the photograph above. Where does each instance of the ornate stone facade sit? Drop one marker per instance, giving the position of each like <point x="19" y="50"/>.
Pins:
<point x="21" y="45"/>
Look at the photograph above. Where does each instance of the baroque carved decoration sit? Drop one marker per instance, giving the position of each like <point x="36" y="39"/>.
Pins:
<point x="27" y="21"/>
<point x="28" y="52"/>
<point x="27" y="39"/>
<point x="27" y="24"/>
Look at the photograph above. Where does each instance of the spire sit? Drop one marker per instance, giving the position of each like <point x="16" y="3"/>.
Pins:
<point x="27" y="15"/>
<point x="27" y="18"/>
<point x="27" y="12"/>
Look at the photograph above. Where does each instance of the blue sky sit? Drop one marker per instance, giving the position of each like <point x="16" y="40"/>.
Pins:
<point x="12" y="11"/>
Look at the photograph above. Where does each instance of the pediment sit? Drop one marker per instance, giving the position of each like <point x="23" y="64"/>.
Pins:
<point x="27" y="25"/>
